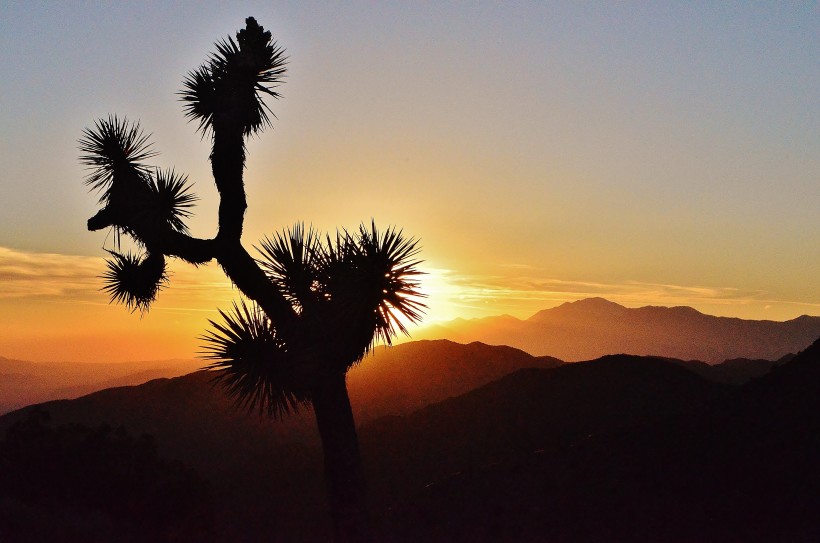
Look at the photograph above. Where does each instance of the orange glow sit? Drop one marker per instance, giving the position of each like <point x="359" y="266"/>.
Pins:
<point x="55" y="311"/>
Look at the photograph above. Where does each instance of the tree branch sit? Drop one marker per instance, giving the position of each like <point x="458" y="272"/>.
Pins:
<point x="162" y="241"/>
<point x="238" y="265"/>
<point x="248" y="277"/>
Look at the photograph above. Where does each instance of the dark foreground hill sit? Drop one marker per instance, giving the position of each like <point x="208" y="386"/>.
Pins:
<point x="622" y="448"/>
<point x="596" y="327"/>
<point x="248" y="457"/>
<point x="740" y="466"/>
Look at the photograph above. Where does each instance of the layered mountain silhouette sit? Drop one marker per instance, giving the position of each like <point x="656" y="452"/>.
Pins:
<point x="596" y="327"/>
<point x="515" y="448"/>
<point x="729" y="464"/>
<point x="246" y="455"/>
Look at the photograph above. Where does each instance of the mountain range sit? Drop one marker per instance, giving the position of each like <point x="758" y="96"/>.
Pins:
<point x="595" y="327"/>
<point x="246" y="455"/>
<point x="617" y="449"/>
<point x="575" y="331"/>
<point x="504" y="446"/>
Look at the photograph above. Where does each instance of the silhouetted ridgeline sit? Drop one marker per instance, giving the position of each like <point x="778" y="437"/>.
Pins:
<point x="24" y="383"/>
<point x="596" y="327"/>
<point x="726" y="464"/>
<point x="243" y="453"/>
<point x="621" y="448"/>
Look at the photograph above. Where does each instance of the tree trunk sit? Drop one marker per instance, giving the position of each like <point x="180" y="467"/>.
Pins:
<point x="344" y="474"/>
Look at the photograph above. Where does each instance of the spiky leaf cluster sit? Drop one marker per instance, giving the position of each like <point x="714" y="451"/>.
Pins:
<point x="136" y="196"/>
<point x="292" y="260"/>
<point x="134" y="280"/>
<point x="349" y="291"/>
<point x="384" y="269"/>
<point x="228" y="86"/>
<point x="114" y="147"/>
<point x="172" y="199"/>
<point x="365" y="278"/>
<point x="253" y="364"/>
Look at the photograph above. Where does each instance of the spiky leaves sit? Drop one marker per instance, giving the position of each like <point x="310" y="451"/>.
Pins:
<point x="365" y="280"/>
<point x="253" y="364"/>
<point x="228" y="86"/>
<point x="114" y="148"/>
<point x="369" y="283"/>
<point x="172" y="199"/>
<point x="349" y="292"/>
<point x="292" y="261"/>
<point x="137" y="198"/>
<point x="388" y="279"/>
<point x="134" y="280"/>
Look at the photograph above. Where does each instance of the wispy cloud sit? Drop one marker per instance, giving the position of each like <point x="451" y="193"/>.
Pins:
<point x="523" y="294"/>
<point x="517" y="290"/>
<point x="24" y="274"/>
<point x="76" y="279"/>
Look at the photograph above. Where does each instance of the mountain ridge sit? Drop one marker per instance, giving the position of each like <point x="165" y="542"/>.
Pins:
<point x="737" y="465"/>
<point x="26" y="382"/>
<point x="594" y="327"/>
<point x="556" y="434"/>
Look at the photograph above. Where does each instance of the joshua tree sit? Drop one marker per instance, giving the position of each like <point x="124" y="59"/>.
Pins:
<point x="316" y="304"/>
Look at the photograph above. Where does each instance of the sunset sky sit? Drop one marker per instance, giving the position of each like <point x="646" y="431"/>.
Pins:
<point x="650" y="153"/>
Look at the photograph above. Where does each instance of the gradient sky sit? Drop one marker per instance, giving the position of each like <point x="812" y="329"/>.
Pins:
<point x="663" y="153"/>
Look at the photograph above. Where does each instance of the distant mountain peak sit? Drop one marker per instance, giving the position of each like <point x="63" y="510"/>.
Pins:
<point x="592" y="303"/>
<point x="587" y="306"/>
<point x="592" y="327"/>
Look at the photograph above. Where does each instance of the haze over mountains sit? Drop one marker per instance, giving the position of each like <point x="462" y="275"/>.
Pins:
<point x="595" y="327"/>
<point x="580" y="330"/>
<point x="23" y="383"/>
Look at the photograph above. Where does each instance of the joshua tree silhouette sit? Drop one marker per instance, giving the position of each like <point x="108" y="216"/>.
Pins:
<point x="317" y="303"/>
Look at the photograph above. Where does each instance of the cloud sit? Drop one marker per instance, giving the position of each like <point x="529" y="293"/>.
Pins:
<point x="521" y="295"/>
<point x="71" y="278"/>
<point x="518" y="290"/>
<point x="24" y="274"/>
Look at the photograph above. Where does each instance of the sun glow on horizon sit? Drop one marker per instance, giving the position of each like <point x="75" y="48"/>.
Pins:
<point x="59" y="312"/>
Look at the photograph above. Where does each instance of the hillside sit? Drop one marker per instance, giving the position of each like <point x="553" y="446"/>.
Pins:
<point x="245" y="455"/>
<point x="595" y="327"/>
<point x="740" y="466"/>
<point x="618" y="448"/>
<point x="533" y="409"/>
<point x="409" y="376"/>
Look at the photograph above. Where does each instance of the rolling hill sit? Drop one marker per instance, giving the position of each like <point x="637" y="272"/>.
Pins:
<point x="519" y="449"/>
<point x="738" y="464"/>
<point x="246" y="455"/>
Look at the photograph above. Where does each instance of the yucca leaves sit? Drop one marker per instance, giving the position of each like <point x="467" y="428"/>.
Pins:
<point x="350" y="291"/>
<point x="114" y="147"/>
<point x="253" y="364"/>
<point x="172" y="199"/>
<point x="228" y="86"/>
<point x="388" y="261"/>
<point x="134" y="280"/>
<point x="291" y="261"/>
<point x="369" y="276"/>
<point x="135" y="195"/>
